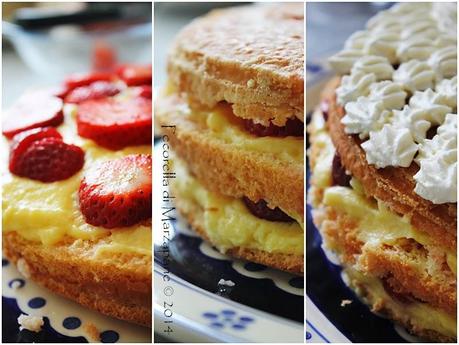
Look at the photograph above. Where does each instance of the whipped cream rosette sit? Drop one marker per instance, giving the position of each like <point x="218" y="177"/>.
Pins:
<point x="383" y="157"/>
<point x="399" y="81"/>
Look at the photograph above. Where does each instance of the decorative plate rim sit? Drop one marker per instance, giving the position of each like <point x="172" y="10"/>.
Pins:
<point x="190" y="325"/>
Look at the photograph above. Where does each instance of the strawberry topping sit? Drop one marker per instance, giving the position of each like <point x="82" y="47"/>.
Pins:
<point x="117" y="193"/>
<point x="85" y="79"/>
<point x="134" y="75"/>
<point x="116" y="123"/>
<point x="23" y="140"/>
<point x="32" y="110"/>
<point x="261" y="210"/>
<point x="293" y="127"/>
<point x="144" y="91"/>
<point x="45" y="159"/>
<point x="103" y="56"/>
<point x="96" y="90"/>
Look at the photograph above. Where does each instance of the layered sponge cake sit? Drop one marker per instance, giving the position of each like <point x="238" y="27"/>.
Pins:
<point x="76" y="190"/>
<point x="234" y="107"/>
<point x="384" y="166"/>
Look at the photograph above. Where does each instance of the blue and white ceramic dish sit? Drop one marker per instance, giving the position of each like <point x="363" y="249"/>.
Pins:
<point x="326" y="320"/>
<point x="65" y="321"/>
<point x="252" y="303"/>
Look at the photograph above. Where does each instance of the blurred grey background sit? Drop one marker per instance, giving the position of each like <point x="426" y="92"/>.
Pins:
<point x="169" y="19"/>
<point x="44" y="42"/>
<point x="329" y="24"/>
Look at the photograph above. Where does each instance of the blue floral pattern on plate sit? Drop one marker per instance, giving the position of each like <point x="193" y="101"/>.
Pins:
<point x="228" y="318"/>
<point x="259" y="296"/>
<point x="64" y="320"/>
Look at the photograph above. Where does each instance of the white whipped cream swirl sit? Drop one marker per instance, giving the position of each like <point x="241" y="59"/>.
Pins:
<point x="444" y="62"/>
<point x="390" y="146"/>
<point x="378" y="65"/>
<point x="433" y="103"/>
<point x="353" y="86"/>
<point x="436" y="179"/>
<point x="363" y="116"/>
<point x="415" y="75"/>
<point x="390" y="93"/>
<point x="447" y="92"/>
<point x="417" y="121"/>
<point x="418" y="48"/>
<point x="400" y="84"/>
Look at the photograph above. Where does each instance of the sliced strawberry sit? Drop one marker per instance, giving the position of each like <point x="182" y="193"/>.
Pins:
<point x="96" y="90"/>
<point x="144" y="91"/>
<point x="115" y="123"/>
<point x="48" y="160"/>
<point x="23" y="140"/>
<point x="117" y="193"/>
<point x="59" y="91"/>
<point x="34" y="109"/>
<point x="84" y="79"/>
<point x="134" y="75"/>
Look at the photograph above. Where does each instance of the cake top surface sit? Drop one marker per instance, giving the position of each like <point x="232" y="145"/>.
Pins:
<point x="399" y="93"/>
<point x="249" y="56"/>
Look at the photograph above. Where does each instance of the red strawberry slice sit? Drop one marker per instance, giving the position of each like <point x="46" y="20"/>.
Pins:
<point x="96" y="90"/>
<point x="117" y="193"/>
<point x="23" y="140"/>
<point x="84" y="79"/>
<point x="34" y="109"/>
<point x="144" y="91"/>
<point x="57" y="91"/>
<point x="134" y="75"/>
<point x="115" y="123"/>
<point x="48" y="160"/>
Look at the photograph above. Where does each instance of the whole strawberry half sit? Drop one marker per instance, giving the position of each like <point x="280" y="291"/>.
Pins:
<point x="32" y="110"/>
<point x="116" y="123"/>
<point x="134" y="75"/>
<point x="96" y="90"/>
<point x="117" y="193"/>
<point x="46" y="159"/>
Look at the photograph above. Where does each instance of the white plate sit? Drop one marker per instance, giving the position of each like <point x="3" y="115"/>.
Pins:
<point x="190" y="305"/>
<point x="66" y="317"/>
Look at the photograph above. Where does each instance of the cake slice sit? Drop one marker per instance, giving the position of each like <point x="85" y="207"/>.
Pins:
<point x="384" y="166"/>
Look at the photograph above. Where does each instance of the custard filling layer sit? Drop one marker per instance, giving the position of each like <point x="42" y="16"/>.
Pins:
<point x="221" y="124"/>
<point x="372" y="291"/>
<point x="228" y="223"/>
<point x="376" y="223"/>
<point x="48" y="212"/>
<point x="376" y="226"/>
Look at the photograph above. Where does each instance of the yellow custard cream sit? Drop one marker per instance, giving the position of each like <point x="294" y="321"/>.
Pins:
<point x="229" y="224"/>
<point x="372" y="291"/>
<point x="48" y="212"/>
<point x="218" y="123"/>
<point x="376" y="223"/>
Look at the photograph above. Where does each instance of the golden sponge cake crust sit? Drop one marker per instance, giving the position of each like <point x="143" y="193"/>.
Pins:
<point x="409" y="271"/>
<point x="227" y="170"/>
<point x="399" y="261"/>
<point x="249" y="56"/>
<point x="401" y="265"/>
<point x="118" y="286"/>
<point x="384" y="308"/>
<point x="286" y="262"/>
